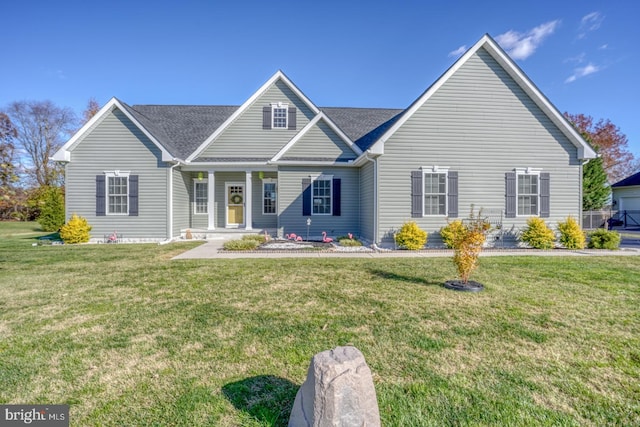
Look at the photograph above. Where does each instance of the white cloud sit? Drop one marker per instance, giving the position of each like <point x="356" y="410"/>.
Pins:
<point x="523" y="45"/>
<point x="604" y="47"/>
<point x="590" y="22"/>
<point x="582" y="72"/>
<point x="459" y="51"/>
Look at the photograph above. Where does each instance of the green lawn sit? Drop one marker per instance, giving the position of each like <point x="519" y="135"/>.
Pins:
<point x="128" y="337"/>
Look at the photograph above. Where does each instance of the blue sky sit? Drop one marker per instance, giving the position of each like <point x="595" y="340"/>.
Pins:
<point x="583" y="55"/>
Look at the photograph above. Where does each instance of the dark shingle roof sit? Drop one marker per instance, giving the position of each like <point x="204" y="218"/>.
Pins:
<point x="181" y="129"/>
<point x="629" y="181"/>
<point x="363" y="125"/>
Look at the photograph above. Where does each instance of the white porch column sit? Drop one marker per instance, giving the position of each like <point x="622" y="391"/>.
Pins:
<point x="211" y="193"/>
<point x="248" y="218"/>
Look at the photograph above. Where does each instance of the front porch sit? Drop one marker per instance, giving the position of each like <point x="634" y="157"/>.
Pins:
<point x="224" y="200"/>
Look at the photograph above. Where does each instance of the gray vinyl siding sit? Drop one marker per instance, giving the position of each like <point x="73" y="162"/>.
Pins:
<point x="117" y="144"/>
<point x="181" y="197"/>
<point x="245" y="136"/>
<point x="290" y="203"/>
<point x="320" y="142"/>
<point x="367" y="201"/>
<point x="481" y="124"/>
<point x="261" y="221"/>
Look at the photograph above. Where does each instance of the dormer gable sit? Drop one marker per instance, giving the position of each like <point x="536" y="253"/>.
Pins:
<point x="321" y="140"/>
<point x="270" y="118"/>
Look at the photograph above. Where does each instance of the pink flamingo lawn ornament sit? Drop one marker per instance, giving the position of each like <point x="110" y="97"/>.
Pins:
<point x="350" y="236"/>
<point x="326" y="239"/>
<point x="298" y="238"/>
<point x="294" y="237"/>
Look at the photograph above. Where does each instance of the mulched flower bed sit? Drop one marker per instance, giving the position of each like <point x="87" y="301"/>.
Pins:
<point x="290" y="245"/>
<point x="459" y="285"/>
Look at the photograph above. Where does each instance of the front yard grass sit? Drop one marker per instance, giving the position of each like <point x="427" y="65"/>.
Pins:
<point x="126" y="336"/>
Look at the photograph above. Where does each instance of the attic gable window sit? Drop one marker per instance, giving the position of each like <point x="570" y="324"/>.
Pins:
<point x="279" y="115"/>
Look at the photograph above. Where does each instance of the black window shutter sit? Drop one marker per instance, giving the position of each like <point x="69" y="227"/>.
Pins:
<point x="336" y="197"/>
<point x="133" y="195"/>
<point x="266" y="118"/>
<point x="306" y="196"/>
<point x="544" y="195"/>
<point x="453" y="194"/>
<point x="416" y="194"/>
<point x="292" y="118"/>
<point x="510" y="195"/>
<point x="100" y="197"/>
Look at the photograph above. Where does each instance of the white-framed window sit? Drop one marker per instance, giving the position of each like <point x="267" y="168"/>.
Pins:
<point x="200" y="196"/>
<point x="528" y="193"/>
<point x="435" y="191"/>
<point x="117" y="193"/>
<point x="269" y="196"/>
<point x="279" y="116"/>
<point x="321" y="195"/>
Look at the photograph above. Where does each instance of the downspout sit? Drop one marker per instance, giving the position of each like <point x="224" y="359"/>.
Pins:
<point x="170" y="233"/>
<point x="375" y="196"/>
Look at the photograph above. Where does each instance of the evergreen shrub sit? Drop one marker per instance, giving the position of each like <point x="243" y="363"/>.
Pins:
<point x="76" y="230"/>
<point x="411" y="236"/>
<point x="537" y="234"/>
<point x="51" y="216"/>
<point x="571" y="234"/>
<point x="452" y="232"/>
<point x="604" y="239"/>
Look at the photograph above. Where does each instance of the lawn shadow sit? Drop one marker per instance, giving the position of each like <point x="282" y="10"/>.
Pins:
<point x="383" y="274"/>
<point x="266" y="398"/>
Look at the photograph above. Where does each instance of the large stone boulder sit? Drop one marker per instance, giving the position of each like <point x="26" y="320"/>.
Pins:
<point x="338" y="391"/>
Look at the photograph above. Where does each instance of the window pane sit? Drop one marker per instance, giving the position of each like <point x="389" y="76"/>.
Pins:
<point x="435" y="193"/>
<point x="269" y="198"/>
<point x="279" y="117"/>
<point x="117" y="194"/>
<point x="201" y="197"/>
<point x="321" y="197"/>
<point x="527" y="194"/>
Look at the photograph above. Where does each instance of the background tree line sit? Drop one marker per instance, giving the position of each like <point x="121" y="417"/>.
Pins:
<point x="32" y="186"/>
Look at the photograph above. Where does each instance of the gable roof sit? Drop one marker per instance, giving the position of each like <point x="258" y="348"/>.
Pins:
<point x="64" y="155"/>
<point x="279" y="75"/>
<point x="181" y="128"/>
<point x="319" y="117"/>
<point x="363" y="125"/>
<point x="628" y="181"/>
<point x="585" y="151"/>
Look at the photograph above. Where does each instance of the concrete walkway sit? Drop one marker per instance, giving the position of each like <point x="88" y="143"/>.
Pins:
<point x="211" y="249"/>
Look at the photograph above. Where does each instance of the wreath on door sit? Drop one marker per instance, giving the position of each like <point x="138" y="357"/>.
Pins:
<point x="236" y="199"/>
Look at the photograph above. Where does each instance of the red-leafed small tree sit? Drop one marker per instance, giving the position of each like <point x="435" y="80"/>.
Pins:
<point x="611" y="143"/>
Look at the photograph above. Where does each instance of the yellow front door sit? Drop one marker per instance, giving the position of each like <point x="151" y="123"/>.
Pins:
<point x="235" y="205"/>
